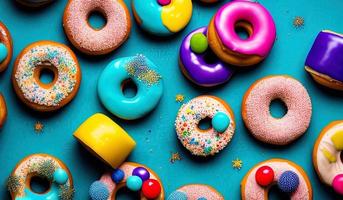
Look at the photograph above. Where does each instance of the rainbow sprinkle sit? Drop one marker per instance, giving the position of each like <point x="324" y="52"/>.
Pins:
<point x="64" y="85"/>
<point x="237" y="164"/>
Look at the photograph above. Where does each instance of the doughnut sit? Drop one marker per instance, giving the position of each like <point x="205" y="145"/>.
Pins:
<point x="96" y="41"/>
<point x="195" y="191"/>
<point x="162" y="17"/>
<point x="199" y="64"/>
<point x="34" y="3"/>
<point x="290" y="178"/>
<point x="134" y="176"/>
<point x="256" y="112"/>
<point x="255" y="20"/>
<point x="45" y="167"/>
<point x="6" y="47"/>
<point x="205" y="142"/>
<point x="105" y="139"/>
<point x="142" y="72"/>
<point x="3" y="110"/>
<point x="324" y="62"/>
<point x="328" y="156"/>
<point x="46" y="56"/>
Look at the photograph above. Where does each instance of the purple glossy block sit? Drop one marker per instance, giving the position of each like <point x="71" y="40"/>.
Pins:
<point x="326" y="55"/>
<point x="204" y="69"/>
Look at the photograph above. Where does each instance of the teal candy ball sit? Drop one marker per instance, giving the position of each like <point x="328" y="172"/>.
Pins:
<point x="177" y="195"/>
<point x="134" y="183"/>
<point x="220" y="122"/>
<point x="98" y="191"/>
<point x="60" y="176"/>
<point x="3" y="52"/>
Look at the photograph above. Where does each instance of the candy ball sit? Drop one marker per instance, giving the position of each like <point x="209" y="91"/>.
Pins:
<point x="337" y="184"/>
<point x="98" y="191"/>
<point x="288" y="182"/>
<point x="60" y="176"/>
<point x="151" y="189"/>
<point x="264" y="176"/>
<point x="142" y="173"/>
<point x="164" y="2"/>
<point x="134" y="183"/>
<point x="117" y="175"/>
<point x="220" y="122"/>
<point x="199" y="43"/>
<point x="177" y="195"/>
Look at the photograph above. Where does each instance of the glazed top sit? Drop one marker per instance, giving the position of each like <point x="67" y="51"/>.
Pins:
<point x="326" y="53"/>
<point x="264" y="31"/>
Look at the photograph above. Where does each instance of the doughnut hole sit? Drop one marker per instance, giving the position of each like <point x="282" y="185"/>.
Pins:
<point x="243" y="30"/>
<point x="276" y="194"/>
<point x="125" y="193"/>
<point x="97" y="19"/>
<point x="341" y="156"/>
<point x="38" y="185"/>
<point x="205" y="124"/>
<point x="45" y="74"/>
<point x="210" y="58"/>
<point x="129" y="88"/>
<point x="277" y="108"/>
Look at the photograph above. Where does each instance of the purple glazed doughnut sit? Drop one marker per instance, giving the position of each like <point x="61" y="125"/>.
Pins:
<point x="204" y="69"/>
<point x="325" y="61"/>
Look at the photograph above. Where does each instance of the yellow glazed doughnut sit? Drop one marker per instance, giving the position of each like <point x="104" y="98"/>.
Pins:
<point x="49" y="56"/>
<point x="3" y="110"/>
<point x="328" y="156"/>
<point x="6" y="47"/>
<point x="45" y="167"/>
<point x="105" y="139"/>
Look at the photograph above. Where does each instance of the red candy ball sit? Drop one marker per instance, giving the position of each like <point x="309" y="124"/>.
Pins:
<point x="264" y="176"/>
<point x="151" y="189"/>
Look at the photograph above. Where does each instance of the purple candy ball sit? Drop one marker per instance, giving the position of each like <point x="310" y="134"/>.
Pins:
<point x="142" y="173"/>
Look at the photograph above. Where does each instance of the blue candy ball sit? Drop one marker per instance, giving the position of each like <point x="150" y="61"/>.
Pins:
<point x="220" y="122"/>
<point x="288" y="182"/>
<point x="134" y="183"/>
<point x="98" y="191"/>
<point x="177" y="195"/>
<point x="117" y="175"/>
<point x="60" y="176"/>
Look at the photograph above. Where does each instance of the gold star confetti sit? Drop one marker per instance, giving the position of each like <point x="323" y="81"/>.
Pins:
<point x="38" y="127"/>
<point x="174" y="157"/>
<point x="298" y="22"/>
<point x="179" y="98"/>
<point x="237" y="164"/>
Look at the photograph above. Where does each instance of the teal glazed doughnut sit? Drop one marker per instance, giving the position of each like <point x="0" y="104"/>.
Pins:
<point x="141" y="71"/>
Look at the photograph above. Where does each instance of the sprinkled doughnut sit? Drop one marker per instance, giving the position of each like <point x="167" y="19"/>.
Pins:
<point x="205" y="142"/>
<point x="134" y="176"/>
<point x="51" y="56"/>
<point x="328" y="156"/>
<point x="324" y="62"/>
<point x="256" y="113"/>
<point x="3" y="110"/>
<point x="250" y="16"/>
<point x="46" y="167"/>
<point x="142" y="72"/>
<point x="196" y="192"/>
<point x="6" y="47"/>
<point x="34" y="3"/>
<point x="290" y="178"/>
<point x="162" y="17"/>
<point x="96" y="41"/>
<point x="199" y="64"/>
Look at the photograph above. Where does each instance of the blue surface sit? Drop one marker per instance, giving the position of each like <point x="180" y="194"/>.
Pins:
<point x="18" y="139"/>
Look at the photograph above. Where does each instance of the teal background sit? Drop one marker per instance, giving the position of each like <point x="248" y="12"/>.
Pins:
<point x="155" y="135"/>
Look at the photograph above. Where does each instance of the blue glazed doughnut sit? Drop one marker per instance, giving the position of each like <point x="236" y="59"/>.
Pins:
<point x="142" y="72"/>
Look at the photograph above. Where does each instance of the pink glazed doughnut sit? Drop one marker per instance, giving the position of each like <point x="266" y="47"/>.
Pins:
<point x="256" y="112"/>
<point x="250" y="16"/>
<point x="96" y="41"/>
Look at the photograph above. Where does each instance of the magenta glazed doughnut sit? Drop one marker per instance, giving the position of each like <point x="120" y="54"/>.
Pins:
<point x="256" y="112"/>
<point x="96" y="41"/>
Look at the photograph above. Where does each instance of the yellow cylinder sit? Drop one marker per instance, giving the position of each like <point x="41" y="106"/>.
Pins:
<point x="105" y="139"/>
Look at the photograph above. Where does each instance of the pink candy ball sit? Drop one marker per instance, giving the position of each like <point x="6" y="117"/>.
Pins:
<point x="164" y="2"/>
<point x="337" y="184"/>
